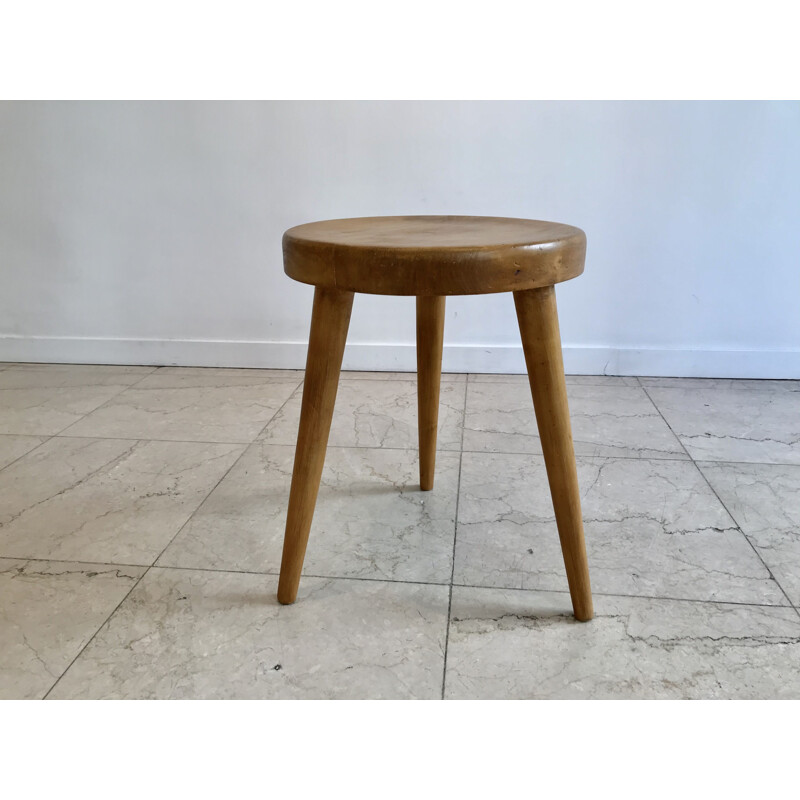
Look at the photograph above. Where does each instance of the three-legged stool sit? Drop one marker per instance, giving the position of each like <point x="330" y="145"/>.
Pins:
<point x="430" y="258"/>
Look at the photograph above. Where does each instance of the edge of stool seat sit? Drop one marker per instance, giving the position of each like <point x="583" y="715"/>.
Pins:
<point x="434" y="270"/>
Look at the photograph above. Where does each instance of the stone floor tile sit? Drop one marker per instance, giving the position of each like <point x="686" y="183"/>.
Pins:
<point x="105" y="500"/>
<point x="606" y="421"/>
<point x="61" y="376"/>
<point x="12" y="447"/>
<point x="48" y="612"/>
<point x="214" y="635"/>
<point x="525" y="645"/>
<point x="195" y="413"/>
<point x="653" y="528"/>
<point x="765" y="500"/>
<point x="734" y="424"/>
<point x="371" y="519"/>
<point x="377" y="414"/>
<point x="44" y="411"/>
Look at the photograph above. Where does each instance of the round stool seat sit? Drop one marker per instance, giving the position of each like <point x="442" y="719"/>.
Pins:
<point x="433" y="255"/>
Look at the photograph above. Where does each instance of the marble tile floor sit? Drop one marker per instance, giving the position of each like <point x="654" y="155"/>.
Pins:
<point x="142" y="513"/>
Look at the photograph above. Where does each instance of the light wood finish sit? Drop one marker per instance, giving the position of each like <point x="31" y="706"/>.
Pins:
<point x="330" y="319"/>
<point x="430" y="336"/>
<point x="541" y="342"/>
<point x="433" y="255"/>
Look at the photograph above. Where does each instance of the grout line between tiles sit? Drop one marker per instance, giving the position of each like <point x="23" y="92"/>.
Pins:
<point x="747" y="463"/>
<point x="629" y="596"/>
<point x="147" y="439"/>
<point x="228" y="570"/>
<point x="35" y="365"/>
<point x="382" y="447"/>
<point x="33" y="450"/>
<point x="569" y="383"/>
<point x="727" y="510"/>
<point x="658" y="411"/>
<point x="455" y="536"/>
<point x="275" y="573"/>
<point x="271" y="382"/>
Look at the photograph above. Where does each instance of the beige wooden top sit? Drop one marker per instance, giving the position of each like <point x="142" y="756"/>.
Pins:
<point x="433" y="255"/>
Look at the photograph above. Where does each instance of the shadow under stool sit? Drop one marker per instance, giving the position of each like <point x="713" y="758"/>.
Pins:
<point x="431" y="257"/>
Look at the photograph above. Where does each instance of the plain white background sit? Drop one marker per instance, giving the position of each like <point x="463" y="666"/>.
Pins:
<point x="577" y="49"/>
<point x="149" y="232"/>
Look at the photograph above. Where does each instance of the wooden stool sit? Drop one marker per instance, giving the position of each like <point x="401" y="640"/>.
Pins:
<point x="430" y="258"/>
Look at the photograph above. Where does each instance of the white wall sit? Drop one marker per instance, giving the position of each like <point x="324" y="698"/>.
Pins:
<point x="150" y="232"/>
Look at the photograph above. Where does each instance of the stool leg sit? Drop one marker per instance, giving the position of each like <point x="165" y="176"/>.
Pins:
<point x="430" y="332"/>
<point x="541" y="341"/>
<point x="330" y="319"/>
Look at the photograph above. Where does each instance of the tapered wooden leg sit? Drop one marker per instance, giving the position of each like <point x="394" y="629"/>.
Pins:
<point x="330" y="319"/>
<point x="430" y="333"/>
<point x="541" y="341"/>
